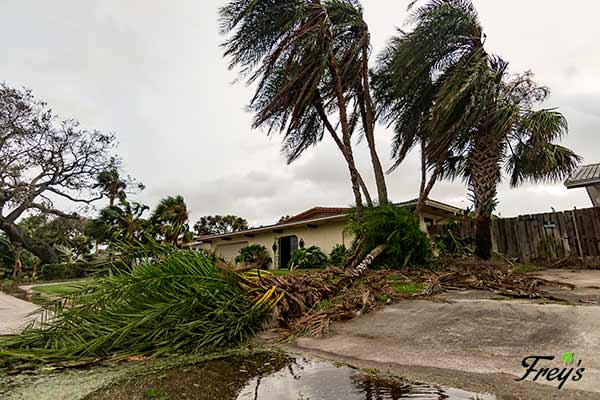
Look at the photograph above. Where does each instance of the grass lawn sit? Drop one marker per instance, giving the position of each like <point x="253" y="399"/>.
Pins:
<point x="408" y="288"/>
<point x="60" y="289"/>
<point x="404" y="287"/>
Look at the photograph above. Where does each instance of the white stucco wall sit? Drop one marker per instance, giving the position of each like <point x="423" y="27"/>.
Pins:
<point x="325" y="236"/>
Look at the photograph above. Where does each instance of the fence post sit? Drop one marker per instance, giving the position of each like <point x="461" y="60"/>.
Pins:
<point x="579" y="247"/>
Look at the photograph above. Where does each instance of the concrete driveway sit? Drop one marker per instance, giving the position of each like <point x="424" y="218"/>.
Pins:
<point x="477" y="342"/>
<point x="14" y="314"/>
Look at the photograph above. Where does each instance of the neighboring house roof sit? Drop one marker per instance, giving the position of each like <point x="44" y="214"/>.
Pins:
<point x="317" y="216"/>
<point x="274" y="228"/>
<point x="433" y="204"/>
<point x="317" y="212"/>
<point x="586" y="175"/>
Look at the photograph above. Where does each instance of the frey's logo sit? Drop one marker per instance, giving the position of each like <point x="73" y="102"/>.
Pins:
<point x="536" y="369"/>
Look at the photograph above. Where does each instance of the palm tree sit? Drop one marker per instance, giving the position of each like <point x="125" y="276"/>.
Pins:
<point x="307" y="60"/>
<point x="112" y="185"/>
<point x="440" y="88"/>
<point x="170" y="220"/>
<point x="414" y="68"/>
<point x="507" y="133"/>
<point x="122" y="223"/>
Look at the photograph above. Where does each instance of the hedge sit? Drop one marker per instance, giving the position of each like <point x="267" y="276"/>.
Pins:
<point x="50" y="272"/>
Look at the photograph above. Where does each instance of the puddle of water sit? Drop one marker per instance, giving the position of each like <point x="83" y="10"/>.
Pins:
<point x="306" y="379"/>
<point x="275" y="377"/>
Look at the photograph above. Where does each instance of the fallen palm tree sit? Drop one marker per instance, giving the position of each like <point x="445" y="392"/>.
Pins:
<point x="171" y="303"/>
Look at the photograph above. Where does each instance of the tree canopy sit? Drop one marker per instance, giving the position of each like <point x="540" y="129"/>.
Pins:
<point x="220" y="224"/>
<point x="309" y="61"/>
<point x="438" y="86"/>
<point x="44" y="158"/>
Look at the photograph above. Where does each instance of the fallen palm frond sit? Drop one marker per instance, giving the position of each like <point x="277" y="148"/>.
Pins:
<point x="348" y="304"/>
<point x="294" y="295"/>
<point x="498" y="278"/>
<point x="175" y="302"/>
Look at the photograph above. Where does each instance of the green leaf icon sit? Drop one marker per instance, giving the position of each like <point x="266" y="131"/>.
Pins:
<point x="568" y="357"/>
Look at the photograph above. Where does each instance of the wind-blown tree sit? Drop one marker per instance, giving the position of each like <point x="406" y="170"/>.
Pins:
<point x="507" y="133"/>
<point x="123" y="223"/>
<point x="220" y="224"/>
<point x="309" y="62"/>
<point x="441" y="88"/>
<point x="115" y="187"/>
<point x="447" y="40"/>
<point x="169" y="220"/>
<point x="43" y="158"/>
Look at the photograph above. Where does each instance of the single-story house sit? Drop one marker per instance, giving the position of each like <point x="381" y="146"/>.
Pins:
<point x="324" y="227"/>
<point x="588" y="177"/>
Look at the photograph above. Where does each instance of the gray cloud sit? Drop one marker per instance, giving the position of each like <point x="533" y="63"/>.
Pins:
<point x="152" y="71"/>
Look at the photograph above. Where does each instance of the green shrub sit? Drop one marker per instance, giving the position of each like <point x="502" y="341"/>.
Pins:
<point x="397" y="228"/>
<point x="254" y="254"/>
<point x="51" y="272"/>
<point x="312" y="257"/>
<point x="338" y="255"/>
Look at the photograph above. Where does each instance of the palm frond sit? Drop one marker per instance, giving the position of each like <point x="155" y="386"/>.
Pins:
<point x="542" y="126"/>
<point x="167" y="303"/>
<point x="543" y="162"/>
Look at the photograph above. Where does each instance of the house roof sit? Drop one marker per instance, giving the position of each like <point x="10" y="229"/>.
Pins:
<point x="317" y="212"/>
<point x="586" y="175"/>
<point x="318" y="216"/>
<point x="274" y="227"/>
<point x="433" y="204"/>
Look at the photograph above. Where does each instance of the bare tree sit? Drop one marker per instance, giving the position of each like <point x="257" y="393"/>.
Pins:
<point x="43" y="159"/>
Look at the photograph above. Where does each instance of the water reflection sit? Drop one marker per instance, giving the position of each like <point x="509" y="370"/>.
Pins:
<point x="307" y="379"/>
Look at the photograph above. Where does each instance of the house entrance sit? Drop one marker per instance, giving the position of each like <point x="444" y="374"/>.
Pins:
<point x="287" y="245"/>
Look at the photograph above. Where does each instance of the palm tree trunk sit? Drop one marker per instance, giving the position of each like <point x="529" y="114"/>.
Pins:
<point x="485" y="175"/>
<point x="362" y="267"/>
<point x="423" y="170"/>
<point x="347" y="150"/>
<point x="340" y="146"/>
<point x="426" y="187"/>
<point x="370" y="122"/>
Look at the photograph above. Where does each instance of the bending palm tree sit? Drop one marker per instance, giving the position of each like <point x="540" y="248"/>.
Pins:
<point x="306" y="58"/>
<point x="170" y="220"/>
<point x="439" y="87"/>
<point x="123" y="223"/>
<point x="414" y="68"/>
<point x="113" y="186"/>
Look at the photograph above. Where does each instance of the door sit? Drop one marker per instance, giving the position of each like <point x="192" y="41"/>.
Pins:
<point x="287" y="246"/>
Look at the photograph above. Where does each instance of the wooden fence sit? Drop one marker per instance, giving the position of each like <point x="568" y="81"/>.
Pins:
<point x="547" y="237"/>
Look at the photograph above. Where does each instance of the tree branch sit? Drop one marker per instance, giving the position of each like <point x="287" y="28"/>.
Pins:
<point x="54" y="211"/>
<point x="74" y="199"/>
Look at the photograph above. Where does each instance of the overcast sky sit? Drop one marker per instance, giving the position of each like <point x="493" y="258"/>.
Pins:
<point x="152" y="72"/>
